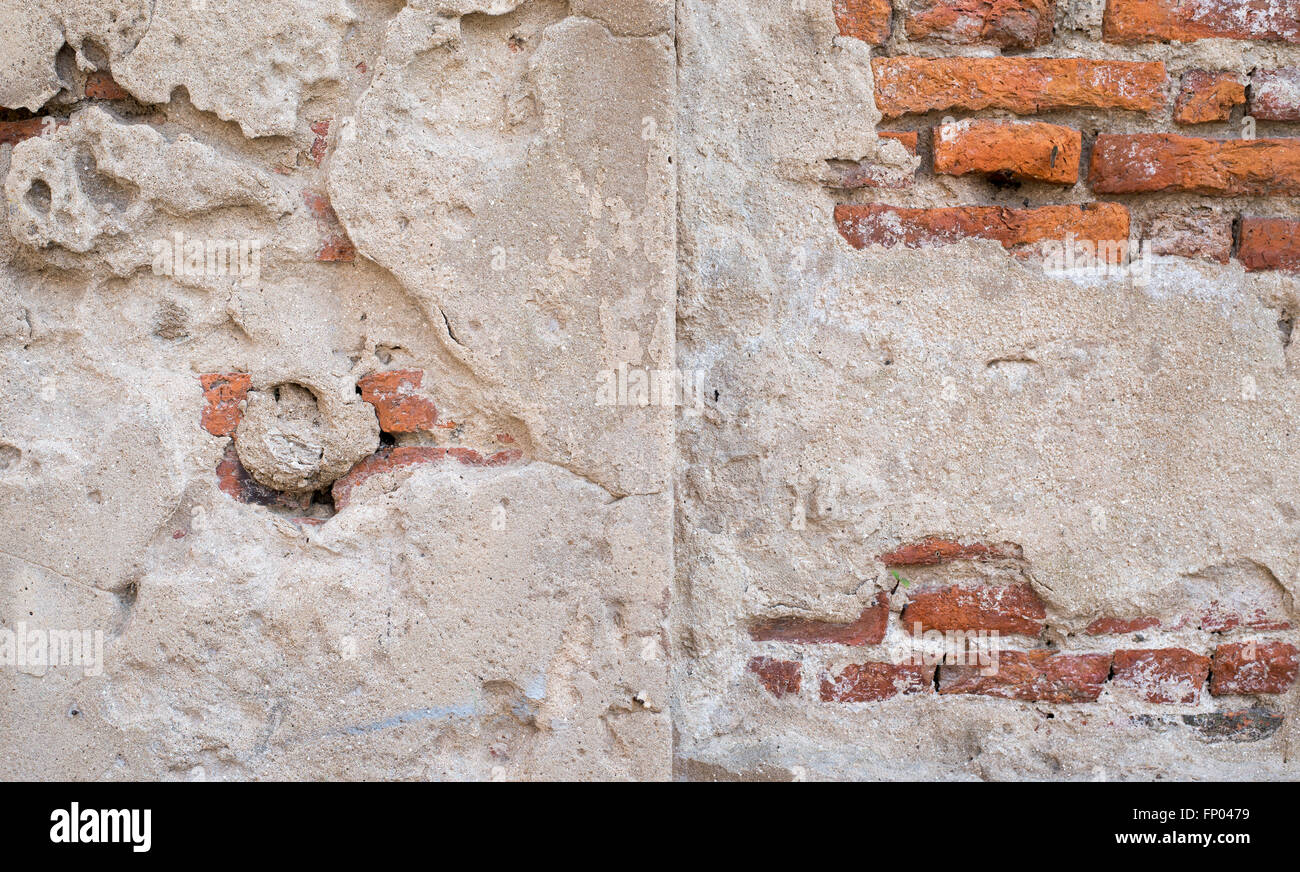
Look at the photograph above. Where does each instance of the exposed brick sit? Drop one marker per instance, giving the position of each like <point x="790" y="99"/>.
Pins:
<point x="235" y="482"/>
<point x="1143" y="162"/>
<point x="907" y="137"/>
<point x="869" y="682"/>
<point x="868" y="629"/>
<point x="1132" y="21"/>
<point x="335" y="245"/>
<point x="1270" y="243"/>
<point x="867" y="20"/>
<point x="397" y="458"/>
<point x="14" y="132"/>
<point x="1219" y="617"/>
<point x="779" y="677"/>
<point x="224" y="393"/>
<point x="1204" y="234"/>
<point x="1012" y="608"/>
<point x="932" y="551"/>
<point x="1205" y="96"/>
<point x="907" y="85"/>
<point x="319" y="144"/>
<point x="100" y="86"/>
<point x="1120" y="626"/>
<point x="1032" y="676"/>
<point x="1015" y="228"/>
<point x="1162" y="675"/>
<point x="397" y="404"/>
<point x="1008" y="23"/>
<point x="1253" y="667"/>
<point x="1275" y="94"/>
<point x="1018" y="149"/>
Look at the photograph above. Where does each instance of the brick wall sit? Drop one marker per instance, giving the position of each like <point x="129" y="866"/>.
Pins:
<point x="1086" y="137"/>
<point x="972" y="626"/>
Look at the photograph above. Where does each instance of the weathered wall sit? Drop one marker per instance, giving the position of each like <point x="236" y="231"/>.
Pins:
<point x="921" y="421"/>
<point x="377" y="495"/>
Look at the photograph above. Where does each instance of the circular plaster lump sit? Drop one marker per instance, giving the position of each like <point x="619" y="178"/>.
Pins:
<point x="294" y="439"/>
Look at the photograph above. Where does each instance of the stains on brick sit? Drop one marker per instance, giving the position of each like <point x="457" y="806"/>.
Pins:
<point x="1253" y="667"/>
<point x="1161" y="675"/>
<point x="867" y="629"/>
<point x="1140" y="21"/>
<point x="1275" y="94"/>
<point x="871" y="682"/>
<point x="1201" y="234"/>
<point x="1015" y="229"/>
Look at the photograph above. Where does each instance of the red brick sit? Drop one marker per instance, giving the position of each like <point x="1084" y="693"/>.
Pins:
<point x="1270" y="243"/>
<point x="397" y="458"/>
<point x="779" y="677"/>
<point x="1120" y="626"/>
<point x="1018" y="149"/>
<point x="14" y="132"/>
<point x="933" y="551"/>
<point x="869" y="682"/>
<point x="1205" y="96"/>
<point x="867" y="20"/>
<point x="1132" y="21"/>
<point x="1012" y="608"/>
<point x="319" y="144"/>
<point x="225" y="392"/>
<point x="1162" y="675"/>
<point x="1032" y="676"/>
<point x="335" y="245"/>
<point x="1203" y="234"/>
<point x="399" y="407"/>
<point x="1253" y="667"/>
<point x="1275" y="94"/>
<point x="1007" y="23"/>
<point x="907" y="137"/>
<point x="910" y="85"/>
<point x="868" y="629"/>
<point x="100" y="86"/>
<point x="1144" y="162"/>
<point x="1014" y="228"/>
